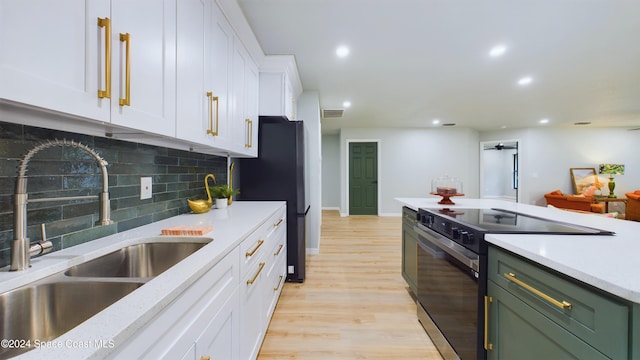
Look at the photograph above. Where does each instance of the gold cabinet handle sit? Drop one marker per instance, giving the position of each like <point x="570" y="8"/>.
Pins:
<point x="205" y="357"/>
<point x="487" y="344"/>
<point x="249" y="142"/>
<point x="250" y="133"/>
<point x="106" y="24"/>
<point x="253" y="279"/>
<point x="126" y="101"/>
<point x="212" y="99"/>
<point x="278" y="285"/>
<point x="279" y="249"/>
<point x="253" y="251"/>
<point x="278" y="223"/>
<point x="561" y="304"/>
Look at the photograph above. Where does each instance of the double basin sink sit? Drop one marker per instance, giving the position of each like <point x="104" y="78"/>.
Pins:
<point x="46" y="309"/>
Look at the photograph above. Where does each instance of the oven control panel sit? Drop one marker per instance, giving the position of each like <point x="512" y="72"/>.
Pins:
<point x="444" y="223"/>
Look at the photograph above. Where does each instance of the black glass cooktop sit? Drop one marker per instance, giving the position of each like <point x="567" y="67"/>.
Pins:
<point x="509" y="222"/>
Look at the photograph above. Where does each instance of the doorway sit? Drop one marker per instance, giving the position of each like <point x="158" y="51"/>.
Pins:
<point x="499" y="164"/>
<point x="363" y="178"/>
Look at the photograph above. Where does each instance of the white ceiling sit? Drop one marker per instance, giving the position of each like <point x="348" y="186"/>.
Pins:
<point x="412" y="61"/>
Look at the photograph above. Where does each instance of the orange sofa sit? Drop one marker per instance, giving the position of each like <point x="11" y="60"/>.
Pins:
<point x="632" y="211"/>
<point x="573" y="202"/>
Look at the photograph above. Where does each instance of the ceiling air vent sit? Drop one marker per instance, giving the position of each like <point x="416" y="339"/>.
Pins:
<point x="332" y="113"/>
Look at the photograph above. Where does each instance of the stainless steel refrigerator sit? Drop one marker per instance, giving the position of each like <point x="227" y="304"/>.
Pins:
<point x="278" y="174"/>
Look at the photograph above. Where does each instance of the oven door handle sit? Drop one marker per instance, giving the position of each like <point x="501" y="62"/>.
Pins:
<point x="447" y="246"/>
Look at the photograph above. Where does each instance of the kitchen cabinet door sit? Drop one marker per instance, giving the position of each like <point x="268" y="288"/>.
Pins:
<point x="276" y="259"/>
<point x="143" y="66"/>
<point x="220" y="338"/>
<point x="252" y="317"/>
<point x="244" y="103"/>
<point x="276" y="95"/>
<point x="52" y="55"/>
<point x="251" y="122"/>
<point x="409" y="249"/>
<point x="204" y="46"/>
<point x="517" y="331"/>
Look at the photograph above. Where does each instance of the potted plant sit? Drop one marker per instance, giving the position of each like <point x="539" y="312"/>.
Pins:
<point x="222" y="193"/>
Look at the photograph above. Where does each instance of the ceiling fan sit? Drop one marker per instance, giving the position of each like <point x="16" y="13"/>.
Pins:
<point x="502" y="146"/>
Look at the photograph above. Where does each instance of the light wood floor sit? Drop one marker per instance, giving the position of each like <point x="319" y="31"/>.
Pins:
<point x="354" y="304"/>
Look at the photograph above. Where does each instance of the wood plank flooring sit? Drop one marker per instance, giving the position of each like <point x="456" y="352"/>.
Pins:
<point x="354" y="303"/>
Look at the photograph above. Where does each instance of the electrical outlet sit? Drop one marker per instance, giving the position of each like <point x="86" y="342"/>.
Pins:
<point x="145" y="188"/>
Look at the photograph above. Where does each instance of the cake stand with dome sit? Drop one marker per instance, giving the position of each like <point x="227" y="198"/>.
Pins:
<point x="446" y="187"/>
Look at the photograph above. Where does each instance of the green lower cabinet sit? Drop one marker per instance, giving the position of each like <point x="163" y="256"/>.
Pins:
<point x="517" y="331"/>
<point x="409" y="249"/>
<point x="538" y="313"/>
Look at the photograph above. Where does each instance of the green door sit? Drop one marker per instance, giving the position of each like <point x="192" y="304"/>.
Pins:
<point x="363" y="178"/>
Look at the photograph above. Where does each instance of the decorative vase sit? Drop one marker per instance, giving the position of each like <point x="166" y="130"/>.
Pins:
<point x="221" y="203"/>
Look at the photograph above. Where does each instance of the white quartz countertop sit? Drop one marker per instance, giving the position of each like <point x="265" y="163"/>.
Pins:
<point x="115" y="324"/>
<point x="609" y="263"/>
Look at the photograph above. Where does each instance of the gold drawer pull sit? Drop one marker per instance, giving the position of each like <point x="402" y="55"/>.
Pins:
<point x="212" y="99"/>
<point x="205" y="357"/>
<point x="253" y="251"/>
<point x="249" y="143"/>
<point x="487" y="344"/>
<point x="279" y="282"/>
<point x="106" y="24"/>
<point x="279" y="249"/>
<point x="560" y="304"/>
<point x="126" y="101"/>
<point x="278" y="223"/>
<point x="252" y="280"/>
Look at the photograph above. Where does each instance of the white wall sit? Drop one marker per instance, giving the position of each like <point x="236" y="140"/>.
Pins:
<point x="410" y="159"/>
<point x="546" y="154"/>
<point x="309" y="112"/>
<point x="331" y="171"/>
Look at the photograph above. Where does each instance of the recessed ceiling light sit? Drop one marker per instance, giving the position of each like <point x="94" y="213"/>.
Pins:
<point x="544" y="121"/>
<point x="342" y="51"/>
<point x="346" y="104"/>
<point x="525" y="81"/>
<point x="497" y="51"/>
<point x="435" y="122"/>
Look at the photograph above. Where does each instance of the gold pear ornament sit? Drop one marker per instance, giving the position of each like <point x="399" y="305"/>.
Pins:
<point x="203" y="206"/>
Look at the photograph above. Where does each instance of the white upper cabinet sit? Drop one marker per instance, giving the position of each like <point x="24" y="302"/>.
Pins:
<point x="280" y="86"/>
<point x="183" y="70"/>
<point x="244" y="103"/>
<point x="110" y="61"/>
<point x="143" y="43"/>
<point x="52" y="55"/>
<point x="205" y="43"/>
<point x="251" y="122"/>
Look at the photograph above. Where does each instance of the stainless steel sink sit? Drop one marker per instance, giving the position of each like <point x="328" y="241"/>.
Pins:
<point x="140" y="261"/>
<point x="45" y="311"/>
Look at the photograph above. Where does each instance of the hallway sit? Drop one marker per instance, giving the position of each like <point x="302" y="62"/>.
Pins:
<point x="354" y="303"/>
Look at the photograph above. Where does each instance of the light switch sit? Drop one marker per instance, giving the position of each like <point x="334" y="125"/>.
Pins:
<point x="145" y="188"/>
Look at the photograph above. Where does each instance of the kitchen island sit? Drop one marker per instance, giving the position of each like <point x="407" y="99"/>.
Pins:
<point x="594" y="275"/>
<point x="137" y="326"/>
<point x="605" y="262"/>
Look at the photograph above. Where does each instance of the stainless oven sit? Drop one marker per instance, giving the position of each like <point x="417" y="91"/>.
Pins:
<point x="452" y="271"/>
<point x="451" y="280"/>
